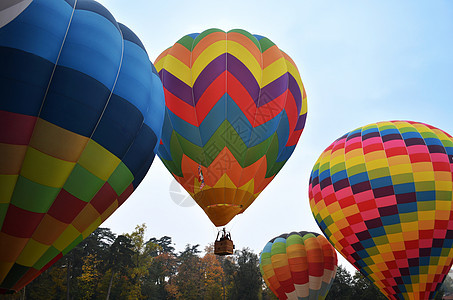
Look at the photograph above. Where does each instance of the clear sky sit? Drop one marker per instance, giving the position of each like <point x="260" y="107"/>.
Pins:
<point x="360" y="61"/>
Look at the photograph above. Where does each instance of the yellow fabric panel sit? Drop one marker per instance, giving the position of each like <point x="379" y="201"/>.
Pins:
<point x="92" y="227"/>
<point x="177" y="68"/>
<point x="66" y="238"/>
<point x="98" y="160"/>
<point x="274" y="71"/>
<point x="11" y="158"/>
<point x="249" y="186"/>
<point x="31" y="253"/>
<point x="375" y="155"/>
<point x="86" y="217"/>
<point x="424" y="176"/>
<point x="208" y="55"/>
<point x="57" y="142"/>
<point x="45" y="169"/>
<point x="292" y="69"/>
<point x="225" y="182"/>
<point x="377" y="163"/>
<point x="241" y="53"/>
<point x="400" y="169"/>
<point x="7" y="184"/>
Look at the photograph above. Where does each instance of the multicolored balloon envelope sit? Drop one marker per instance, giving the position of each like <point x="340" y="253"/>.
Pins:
<point x="382" y="194"/>
<point x="236" y="108"/>
<point x="81" y="110"/>
<point x="299" y="265"/>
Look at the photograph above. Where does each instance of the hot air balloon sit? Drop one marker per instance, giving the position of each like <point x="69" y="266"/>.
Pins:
<point x="299" y="265"/>
<point x="235" y="109"/>
<point x="10" y="9"/>
<point x="382" y="194"/>
<point x="81" y="110"/>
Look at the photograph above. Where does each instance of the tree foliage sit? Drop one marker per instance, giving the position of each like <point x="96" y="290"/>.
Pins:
<point x="110" y="266"/>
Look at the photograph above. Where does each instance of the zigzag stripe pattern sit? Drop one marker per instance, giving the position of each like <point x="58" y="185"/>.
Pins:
<point x="233" y="101"/>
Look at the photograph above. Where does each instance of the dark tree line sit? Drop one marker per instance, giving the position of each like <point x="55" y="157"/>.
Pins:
<point x="110" y="266"/>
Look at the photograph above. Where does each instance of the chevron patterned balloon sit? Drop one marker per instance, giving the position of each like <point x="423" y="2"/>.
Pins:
<point x="236" y="108"/>
<point x="382" y="195"/>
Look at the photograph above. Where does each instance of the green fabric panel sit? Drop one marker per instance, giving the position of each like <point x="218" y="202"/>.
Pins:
<point x="83" y="184"/>
<point x="426" y="205"/>
<point x="381" y="240"/>
<point x="408" y="217"/>
<point x="394" y="228"/>
<point x="275" y="169"/>
<point x="425" y="186"/>
<point x="357" y="169"/>
<point x="324" y="167"/>
<point x="294" y="239"/>
<point x="186" y="41"/>
<point x="428" y="134"/>
<point x="3" y="210"/>
<point x="72" y="245"/>
<point x="249" y="36"/>
<point x="203" y="35"/>
<point x="337" y="168"/>
<point x="50" y="254"/>
<point x="265" y="44"/>
<point x="308" y="236"/>
<point x="33" y="196"/>
<point x="271" y="156"/>
<point x="278" y="248"/>
<point x="401" y="178"/>
<point x="212" y="149"/>
<point x="121" y="178"/>
<point x="443" y="195"/>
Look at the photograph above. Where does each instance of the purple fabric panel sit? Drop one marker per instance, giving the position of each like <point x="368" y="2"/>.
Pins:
<point x="175" y="86"/>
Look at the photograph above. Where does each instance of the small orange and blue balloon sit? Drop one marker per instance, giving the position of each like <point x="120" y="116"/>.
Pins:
<point x="382" y="194"/>
<point x="299" y="265"/>
<point x="81" y="111"/>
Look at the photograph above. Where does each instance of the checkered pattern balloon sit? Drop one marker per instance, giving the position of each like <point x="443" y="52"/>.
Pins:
<point x="81" y="111"/>
<point x="382" y="194"/>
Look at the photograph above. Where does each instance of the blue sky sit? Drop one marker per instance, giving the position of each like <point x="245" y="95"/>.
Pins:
<point x="360" y="61"/>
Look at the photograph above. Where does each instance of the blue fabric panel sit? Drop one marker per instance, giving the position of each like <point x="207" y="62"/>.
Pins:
<point x="119" y="125"/>
<point x="40" y="29"/>
<point x="134" y="79"/>
<point x="129" y="35"/>
<point x="23" y="81"/>
<point x="93" y="46"/>
<point x="140" y="150"/>
<point x="97" y="8"/>
<point x="75" y="101"/>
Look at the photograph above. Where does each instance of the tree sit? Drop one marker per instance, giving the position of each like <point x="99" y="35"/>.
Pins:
<point x="342" y="285"/>
<point x="247" y="278"/>
<point x="118" y="259"/>
<point x="362" y="288"/>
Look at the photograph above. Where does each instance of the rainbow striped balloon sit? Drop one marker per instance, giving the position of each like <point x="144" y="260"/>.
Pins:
<point x="81" y="111"/>
<point x="236" y="108"/>
<point x="382" y="194"/>
<point x="299" y="265"/>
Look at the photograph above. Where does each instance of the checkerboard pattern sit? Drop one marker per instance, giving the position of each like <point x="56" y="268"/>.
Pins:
<point x="382" y="195"/>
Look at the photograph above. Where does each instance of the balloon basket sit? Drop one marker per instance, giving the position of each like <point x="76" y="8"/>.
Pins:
<point x="223" y="247"/>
